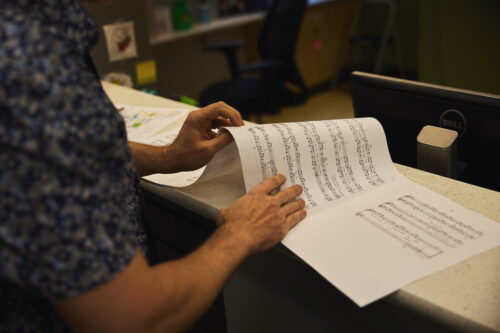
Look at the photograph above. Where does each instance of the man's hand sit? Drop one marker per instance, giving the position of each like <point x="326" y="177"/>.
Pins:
<point x="197" y="143"/>
<point x="260" y="220"/>
<point x="194" y="146"/>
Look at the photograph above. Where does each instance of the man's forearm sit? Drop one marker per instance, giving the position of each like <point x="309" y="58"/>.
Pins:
<point x="168" y="297"/>
<point x="150" y="159"/>
<point x="201" y="276"/>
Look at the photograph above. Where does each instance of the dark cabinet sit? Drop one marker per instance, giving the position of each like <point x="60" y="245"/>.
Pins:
<point x="174" y="232"/>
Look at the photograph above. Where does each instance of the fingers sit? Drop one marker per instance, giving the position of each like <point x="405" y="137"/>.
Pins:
<point x="293" y="212"/>
<point x="222" y="110"/>
<point x="293" y="206"/>
<point x="220" y="141"/>
<point x="270" y="184"/>
<point x="288" y="194"/>
<point x="221" y="122"/>
<point x="294" y="218"/>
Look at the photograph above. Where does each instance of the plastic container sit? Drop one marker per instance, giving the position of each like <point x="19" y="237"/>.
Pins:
<point x="162" y="17"/>
<point x="182" y="16"/>
<point x="204" y="11"/>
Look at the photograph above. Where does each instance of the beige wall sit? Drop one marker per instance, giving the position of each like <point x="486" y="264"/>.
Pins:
<point x="460" y="44"/>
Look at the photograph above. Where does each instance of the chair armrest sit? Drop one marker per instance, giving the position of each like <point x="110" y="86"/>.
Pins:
<point x="229" y="50"/>
<point x="264" y="66"/>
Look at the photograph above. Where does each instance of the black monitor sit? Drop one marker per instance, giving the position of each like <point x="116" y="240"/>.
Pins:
<point x="404" y="107"/>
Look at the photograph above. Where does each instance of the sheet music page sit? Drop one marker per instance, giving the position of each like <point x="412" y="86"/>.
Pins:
<point x="369" y="230"/>
<point x="389" y="237"/>
<point x="331" y="159"/>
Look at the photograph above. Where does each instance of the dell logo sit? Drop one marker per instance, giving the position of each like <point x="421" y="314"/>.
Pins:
<point x="453" y="120"/>
<point x="448" y="123"/>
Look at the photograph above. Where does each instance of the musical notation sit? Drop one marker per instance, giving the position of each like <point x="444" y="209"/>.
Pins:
<point x="293" y="163"/>
<point x="399" y="232"/>
<point x="419" y="226"/>
<point x="363" y="148"/>
<point x="343" y="166"/>
<point x="316" y="156"/>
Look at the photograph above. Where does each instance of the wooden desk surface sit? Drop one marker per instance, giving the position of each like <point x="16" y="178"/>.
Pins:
<point x="465" y="296"/>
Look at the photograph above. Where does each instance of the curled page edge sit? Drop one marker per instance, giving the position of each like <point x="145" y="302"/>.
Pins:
<point x="225" y="162"/>
<point x="228" y="160"/>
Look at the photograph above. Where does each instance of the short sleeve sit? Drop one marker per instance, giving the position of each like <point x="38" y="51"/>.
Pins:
<point x="67" y="181"/>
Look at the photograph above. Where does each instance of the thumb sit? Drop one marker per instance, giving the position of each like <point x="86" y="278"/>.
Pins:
<point x="222" y="139"/>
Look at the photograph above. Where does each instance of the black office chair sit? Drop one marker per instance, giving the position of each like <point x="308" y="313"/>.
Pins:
<point x="279" y="82"/>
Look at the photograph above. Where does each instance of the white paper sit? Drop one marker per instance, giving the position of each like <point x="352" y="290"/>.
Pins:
<point x="388" y="237"/>
<point x="153" y="126"/>
<point x="369" y="230"/>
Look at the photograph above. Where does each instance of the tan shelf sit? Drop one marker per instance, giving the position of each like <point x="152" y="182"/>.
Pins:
<point x="203" y="28"/>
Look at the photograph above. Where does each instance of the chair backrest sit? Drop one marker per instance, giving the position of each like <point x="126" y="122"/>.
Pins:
<point x="279" y="34"/>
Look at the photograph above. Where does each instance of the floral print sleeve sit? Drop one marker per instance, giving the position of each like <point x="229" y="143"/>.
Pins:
<point x="69" y="218"/>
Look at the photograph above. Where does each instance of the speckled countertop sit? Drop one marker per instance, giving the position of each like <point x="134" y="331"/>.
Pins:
<point x="465" y="296"/>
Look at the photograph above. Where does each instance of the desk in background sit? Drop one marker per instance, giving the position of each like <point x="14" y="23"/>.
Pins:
<point x="277" y="292"/>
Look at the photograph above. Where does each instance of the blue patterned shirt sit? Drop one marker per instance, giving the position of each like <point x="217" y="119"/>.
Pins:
<point x="69" y="213"/>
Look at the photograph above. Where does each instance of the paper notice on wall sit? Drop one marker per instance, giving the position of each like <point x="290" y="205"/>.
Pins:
<point x="120" y="40"/>
<point x="145" y="72"/>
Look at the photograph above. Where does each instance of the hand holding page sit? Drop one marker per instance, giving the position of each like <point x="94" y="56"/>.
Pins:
<point x="157" y="127"/>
